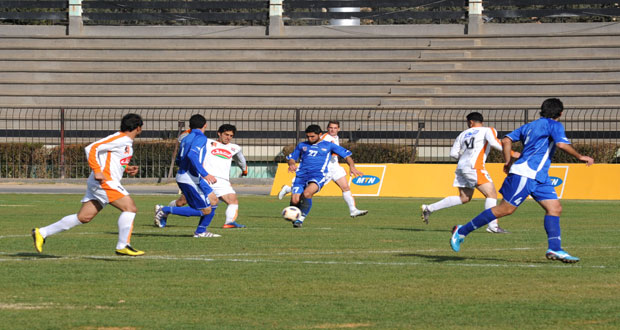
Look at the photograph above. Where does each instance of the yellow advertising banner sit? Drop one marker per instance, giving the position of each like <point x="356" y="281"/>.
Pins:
<point x="571" y="181"/>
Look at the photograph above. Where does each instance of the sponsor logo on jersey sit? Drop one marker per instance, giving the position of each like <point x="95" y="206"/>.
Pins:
<point x="222" y="153"/>
<point x="555" y="181"/>
<point x="125" y="161"/>
<point x="366" y="180"/>
<point x="127" y="150"/>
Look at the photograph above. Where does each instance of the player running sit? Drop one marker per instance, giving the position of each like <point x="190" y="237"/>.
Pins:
<point x="108" y="159"/>
<point x="193" y="180"/>
<point x="336" y="172"/>
<point x="529" y="176"/>
<point x="471" y="149"/>
<point x="217" y="161"/>
<point x="312" y="173"/>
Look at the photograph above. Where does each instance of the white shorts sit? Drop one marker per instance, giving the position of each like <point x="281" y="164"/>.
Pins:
<point x="104" y="193"/>
<point x="222" y="187"/>
<point x="470" y="178"/>
<point x="336" y="172"/>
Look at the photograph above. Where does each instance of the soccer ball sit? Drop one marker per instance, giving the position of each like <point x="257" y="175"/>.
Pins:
<point x="291" y="213"/>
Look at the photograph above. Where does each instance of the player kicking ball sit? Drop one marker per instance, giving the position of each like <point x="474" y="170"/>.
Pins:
<point x="336" y="172"/>
<point x="108" y="159"/>
<point x="529" y="176"/>
<point x="312" y="173"/>
<point x="471" y="148"/>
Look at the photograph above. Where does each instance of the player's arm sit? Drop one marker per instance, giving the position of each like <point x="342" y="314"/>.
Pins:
<point x="241" y="162"/>
<point x="455" y="151"/>
<point x="194" y="158"/>
<point x="571" y="151"/>
<point x="346" y="154"/>
<point x="507" y="153"/>
<point x="291" y="159"/>
<point x="132" y="170"/>
<point x="354" y="171"/>
<point x="93" y="150"/>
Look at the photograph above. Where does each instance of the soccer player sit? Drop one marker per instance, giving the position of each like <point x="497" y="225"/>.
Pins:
<point x="193" y="180"/>
<point x="336" y="172"/>
<point x="312" y="173"/>
<point x="471" y="149"/>
<point x="108" y="158"/>
<point x="529" y="175"/>
<point x="219" y="155"/>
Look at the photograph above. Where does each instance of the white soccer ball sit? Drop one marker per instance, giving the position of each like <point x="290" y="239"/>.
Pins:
<point x="291" y="213"/>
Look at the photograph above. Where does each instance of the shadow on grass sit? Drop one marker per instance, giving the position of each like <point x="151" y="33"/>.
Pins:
<point x="416" y="229"/>
<point x="189" y="234"/>
<point x="34" y="255"/>
<point x="435" y="258"/>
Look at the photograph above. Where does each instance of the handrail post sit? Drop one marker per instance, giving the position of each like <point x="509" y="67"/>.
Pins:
<point x="75" y="18"/>
<point x="276" y="24"/>
<point x="474" y="25"/>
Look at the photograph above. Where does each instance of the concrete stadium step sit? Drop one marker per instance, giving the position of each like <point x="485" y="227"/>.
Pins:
<point x="534" y="75"/>
<point x="500" y="88"/>
<point x="584" y="63"/>
<point x="445" y="54"/>
<point x="533" y="101"/>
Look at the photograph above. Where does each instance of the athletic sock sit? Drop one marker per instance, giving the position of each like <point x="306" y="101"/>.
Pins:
<point x="306" y="206"/>
<point x="489" y="203"/>
<point x="482" y="219"/>
<point x="185" y="211"/>
<point x="173" y="203"/>
<point x="125" y="227"/>
<point x="288" y="189"/>
<point x="231" y="213"/>
<point x="61" y="225"/>
<point x="552" y="227"/>
<point x="348" y="198"/>
<point x="205" y="221"/>
<point x="445" y="203"/>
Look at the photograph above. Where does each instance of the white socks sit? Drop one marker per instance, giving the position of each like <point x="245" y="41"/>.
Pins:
<point x="125" y="226"/>
<point x="231" y="213"/>
<point x="444" y="203"/>
<point x="348" y="198"/>
<point x="173" y="203"/>
<point x="61" y="225"/>
<point x="489" y="203"/>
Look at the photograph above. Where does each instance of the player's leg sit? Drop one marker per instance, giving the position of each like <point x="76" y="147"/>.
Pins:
<point x="207" y="217"/>
<point x="488" y="190"/>
<point x="232" y="211"/>
<point x="464" y="181"/>
<point x="160" y="218"/>
<point x="515" y="190"/>
<point x="546" y="196"/>
<point x="339" y="177"/>
<point x="128" y="209"/>
<point x="286" y="189"/>
<point x="305" y="204"/>
<point x="87" y="212"/>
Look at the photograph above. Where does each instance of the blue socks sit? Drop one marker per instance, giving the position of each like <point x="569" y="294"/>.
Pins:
<point x="552" y="227"/>
<point x="185" y="211"/>
<point x="306" y="206"/>
<point x="482" y="219"/>
<point x="205" y="220"/>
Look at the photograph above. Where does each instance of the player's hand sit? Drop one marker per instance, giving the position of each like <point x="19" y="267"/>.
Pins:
<point x="515" y="154"/>
<point x="99" y="176"/>
<point x="292" y="168"/>
<point x="210" y="179"/>
<point x="356" y="172"/>
<point x="132" y="170"/>
<point x="507" y="166"/>
<point x="244" y="173"/>
<point x="589" y="161"/>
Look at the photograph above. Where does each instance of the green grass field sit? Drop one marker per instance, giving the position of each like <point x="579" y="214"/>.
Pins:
<point x="387" y="270"/>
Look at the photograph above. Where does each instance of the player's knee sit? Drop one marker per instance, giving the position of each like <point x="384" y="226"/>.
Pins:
<point x="206" y="210"/>
<point x="85" y="218"/>
<point x="465" y="199"/>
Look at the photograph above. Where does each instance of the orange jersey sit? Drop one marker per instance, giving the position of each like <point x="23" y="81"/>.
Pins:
<point x="110" y="155"/>
<point x="473" y="145"/>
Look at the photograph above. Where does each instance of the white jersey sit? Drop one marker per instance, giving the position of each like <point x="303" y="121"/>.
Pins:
<point x="471" y="147"/>
<point x="219" y="157"/>
<point x="110" y="155"/>
<point x="333" y="139"/>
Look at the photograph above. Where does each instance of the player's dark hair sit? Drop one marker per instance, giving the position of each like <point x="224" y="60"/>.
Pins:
<point x="197" y="121"/>
<point x="551" y="108"/>
<point x="314" y="129"/>
<point x="475" y="116"/>
<point x="130" y="122"/>
<point x="226" y="128"/>
<point x="335" y="122"/>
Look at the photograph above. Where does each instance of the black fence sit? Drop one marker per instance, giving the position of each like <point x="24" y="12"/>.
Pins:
<point x="48" y="143"/>
<point x="303" y="12"/>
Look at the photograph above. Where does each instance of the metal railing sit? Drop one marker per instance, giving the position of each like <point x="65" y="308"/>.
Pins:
<point x="48" y="142"/>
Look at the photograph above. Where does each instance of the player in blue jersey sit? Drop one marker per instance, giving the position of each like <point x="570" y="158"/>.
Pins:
<point x="312" y="173"/>
<point x="529" y="176"/>
<point x="193" y="180"/>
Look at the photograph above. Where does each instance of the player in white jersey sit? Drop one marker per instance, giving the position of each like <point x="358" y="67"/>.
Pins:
<point x="218" y="158"/>
<point x="471" y="148"/>
<point x="108" y="159"/>
<point x="336" y="172"/>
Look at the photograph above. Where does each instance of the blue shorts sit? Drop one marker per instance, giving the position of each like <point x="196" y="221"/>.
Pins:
<point x="516" y="188"/>
<point x="197" y="196"/>
<point x="301" y="182"/>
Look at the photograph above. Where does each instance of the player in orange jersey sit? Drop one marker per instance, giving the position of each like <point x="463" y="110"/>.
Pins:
<point x="471" y="148"/>
<point x="108" y="159"/>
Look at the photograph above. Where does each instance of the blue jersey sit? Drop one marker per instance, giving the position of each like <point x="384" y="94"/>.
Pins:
<point x="314" y="158"/>
<point x="192" y="153"/>
<point x="539" y="138"/>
